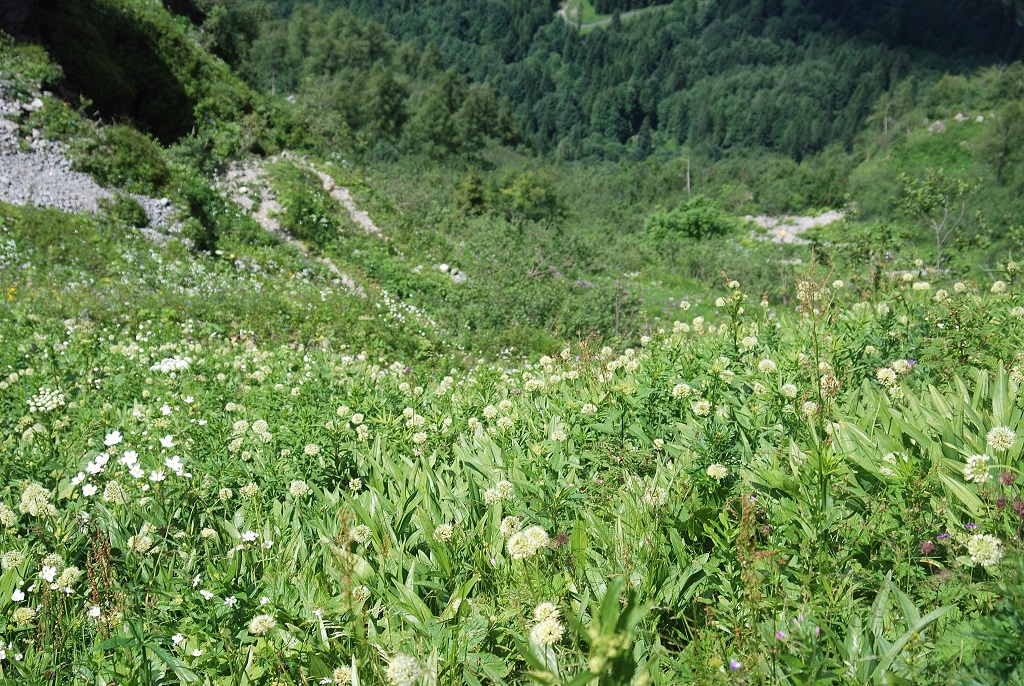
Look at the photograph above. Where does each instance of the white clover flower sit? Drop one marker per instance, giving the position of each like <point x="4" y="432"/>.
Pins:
<point x="261" y="624"/>
<point x="545" y="611"/>
<point x="114" y="493"/>
<point x="12" y="559"/>
<point x="403" y="670"/>
<point x="419" y="437"/>
<point x="588" y="408"/>
<point x="361" y="533"/>
<point x="249" y="490"/>
<point x="355" y="485"/>
<point x="976" y="469"/>
<point x="655" y="496"/>
<point x="8" y="518"/>
<point x="717" y="471"/>
<point x="558" y="436"/>
<point x="749" y="341"/>
<point x="341" y="675"/>
<point x="298" y="488"/>
<point x="885" y="376"/>
<point x="809" y="408"/>
<point x="681" y="390"/>
<point x="547" y="632"/>
<point x="1000" y="438"/>
<point x="788" y="390"/>
<point x="701" y="408"/>
<point x="767" y="366"/>
<point x="509" y="526"/>
<point x="360" y="593"/>
<point x="985" y="550"/>
<point x="35" y="500"/>
<point x="998" y="287"/>
<point x="921" y="286"/>
<point x="444" y="532"/>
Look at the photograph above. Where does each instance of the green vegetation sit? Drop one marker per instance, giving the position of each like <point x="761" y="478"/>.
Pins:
<point x="461" y="364"/>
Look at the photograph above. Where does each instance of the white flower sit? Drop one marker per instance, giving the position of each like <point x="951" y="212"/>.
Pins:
<point x="788" y="390"/>
<point x="403" y="670"/>
<point x="718" y="471"/>
<point x="547" y="632"/>
<point x="208" y="595"/>
<point x="766" y="366"/>
<point x="361" y="533"/>
<point x="89" y="490"/>
<point x="157" y="475"/>
<point x="998" y="287"/>
<point x="95" y="612"/>
<point x="588" y="408"/>
<point x="112" y="438"/>
<point x="261" y="624"/>
<point x="48" y="573"/>
<point x="701" y="408"/>
<point x="250" y="536"/>
<point x="444" y="532"/>
<point x="886" y="376"/>
<point x="985" y="550"/>
<point x="17" y="596"/>
<point x="298" y="488"/>
<point x="231" y="601"/>
<point x="167" y="441"/>
<point x="1001" y="438"/>
<point x="976" y="469"/>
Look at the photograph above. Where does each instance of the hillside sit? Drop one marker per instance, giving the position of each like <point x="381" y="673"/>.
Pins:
<point x="331" y="356"/>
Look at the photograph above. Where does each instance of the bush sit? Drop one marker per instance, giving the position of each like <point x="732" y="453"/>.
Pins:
<point x="697" y="219"/>
<point x="124" y="209"/>
<point x="125" y="158"/>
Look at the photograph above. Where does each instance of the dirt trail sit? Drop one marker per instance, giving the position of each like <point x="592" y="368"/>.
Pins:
<point x="246" y="183"/>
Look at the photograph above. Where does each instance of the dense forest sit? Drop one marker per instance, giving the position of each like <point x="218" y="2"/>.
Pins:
<point x="791" y="77"/>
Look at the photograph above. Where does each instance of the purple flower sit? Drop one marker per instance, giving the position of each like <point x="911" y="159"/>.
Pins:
<point x="735" y="665"/>
<point x="970" y="526"/>
<point x="817" y="631"/>
<point x="942" y="536"/>
<point x="928" y="548"/>
<point x="1007" y="478"/>
<point x="780" y="635"/>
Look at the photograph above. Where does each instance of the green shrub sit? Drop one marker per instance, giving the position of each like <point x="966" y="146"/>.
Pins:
<point x="698" y="218"/>
<point x="125" y="158"/>
<point x="124" y="209"/>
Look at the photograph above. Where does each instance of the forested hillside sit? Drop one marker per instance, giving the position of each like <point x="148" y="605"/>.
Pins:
<point x="792" y="77"/>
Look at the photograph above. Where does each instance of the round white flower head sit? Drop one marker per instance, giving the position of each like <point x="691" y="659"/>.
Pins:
<point x="985" y="550"/>
<point x="403" y="670"/>
<point x="701" y="408"/>
<point x="655" y="496"/>
<point x="298" y="488"/>
<point x="311" y="449"/>
<point x="225" y="494"/>
<point x="355" y="485"/>
<point x="1000" y="438"/>
<point x="444" y="532"/>
<point x="976" y="469"/>
<point x="766" y="366"/>
<point x="718" y="471"/>
<point x="360" y="593"/>
<point x="35" y="500"/>
<point x="809" y="408"/>
<point x="547" y="632"/>
<point x="681" y="390"/>
<point x="11" y="559"/>
<point x="114" y="493"/>
<point x="261" y="624"/>
<point x="999" y="287"/>
<point x="886" y="376"/>
<point x="342" y="675"/>
<point x="509" y="526"/>
<point x="260" y="427"/>
<point x="545" y="611"/>
<point x="361" y="533"/>
<point x="588" y="408"/>
<point x="788" y="390"/>
<point x="8" y="518"/>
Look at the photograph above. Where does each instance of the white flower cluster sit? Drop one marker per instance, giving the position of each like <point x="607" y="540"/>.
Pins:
<point x="527" y="543"/>
<point x="547" y="630"/>
<point x="170" y="365"/>
<point x="47" y="400"/>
